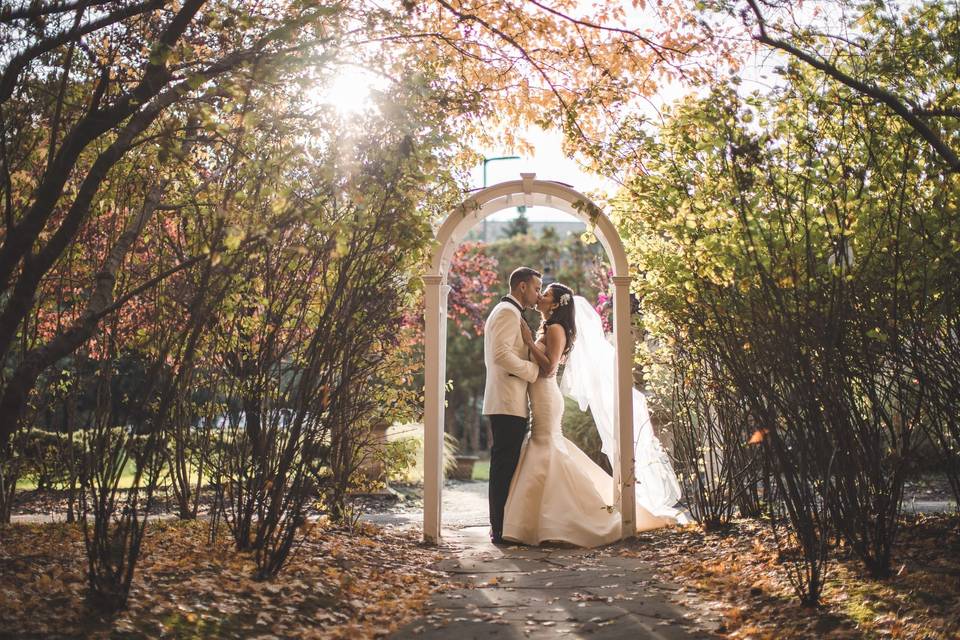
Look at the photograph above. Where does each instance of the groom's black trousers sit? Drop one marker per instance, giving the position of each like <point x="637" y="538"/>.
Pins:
<point x="508" y="434"/>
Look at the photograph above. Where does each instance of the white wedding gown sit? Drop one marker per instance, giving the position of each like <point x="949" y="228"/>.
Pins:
<point x="558" y="494"/>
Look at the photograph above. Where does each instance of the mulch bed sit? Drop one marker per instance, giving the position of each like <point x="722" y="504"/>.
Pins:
<point x="338" y="584"/>
<point x="738" y="573"/>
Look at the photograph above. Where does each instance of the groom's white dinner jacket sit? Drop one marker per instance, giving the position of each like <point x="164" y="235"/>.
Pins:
<point x="509" y="368"/>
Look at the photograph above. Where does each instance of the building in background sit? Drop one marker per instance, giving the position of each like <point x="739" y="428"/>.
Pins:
<point x="500" y="229"/>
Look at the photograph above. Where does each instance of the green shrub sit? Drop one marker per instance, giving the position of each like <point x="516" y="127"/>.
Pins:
<point x="43" y="457"/>
<point x="579" y="428"/>
<point x="407" y="441"/>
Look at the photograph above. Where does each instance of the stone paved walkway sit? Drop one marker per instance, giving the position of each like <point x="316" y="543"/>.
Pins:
<point x="529" y="592"/>
<point x="554" y="592"/>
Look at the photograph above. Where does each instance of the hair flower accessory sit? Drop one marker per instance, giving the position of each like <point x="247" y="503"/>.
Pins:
<point x="565" y="299"/>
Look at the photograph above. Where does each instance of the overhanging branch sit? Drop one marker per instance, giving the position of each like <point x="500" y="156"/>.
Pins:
<point x="882" y="96"/>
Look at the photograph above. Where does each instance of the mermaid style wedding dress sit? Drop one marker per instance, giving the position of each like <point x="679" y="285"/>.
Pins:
<point x="558" y="494"/>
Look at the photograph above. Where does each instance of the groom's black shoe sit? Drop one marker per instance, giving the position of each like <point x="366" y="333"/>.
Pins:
<point x="497" y="540"/>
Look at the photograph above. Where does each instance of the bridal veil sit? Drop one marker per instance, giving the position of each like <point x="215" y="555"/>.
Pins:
<point x="589" y="378"/>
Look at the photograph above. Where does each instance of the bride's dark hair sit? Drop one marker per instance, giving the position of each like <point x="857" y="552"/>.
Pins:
<point x="563" y="314"/>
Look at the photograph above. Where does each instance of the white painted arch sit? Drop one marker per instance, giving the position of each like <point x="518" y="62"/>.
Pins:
<point x="527" y="191"/>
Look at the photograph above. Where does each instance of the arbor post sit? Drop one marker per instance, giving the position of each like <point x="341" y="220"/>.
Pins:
<point x="435" y="360"/>
<point x="623" y="407"/>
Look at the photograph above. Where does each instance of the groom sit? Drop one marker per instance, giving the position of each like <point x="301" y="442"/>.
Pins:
<point x="509" y="371"/>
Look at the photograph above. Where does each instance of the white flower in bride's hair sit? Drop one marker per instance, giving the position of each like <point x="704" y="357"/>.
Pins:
<point x="565" y="299"/>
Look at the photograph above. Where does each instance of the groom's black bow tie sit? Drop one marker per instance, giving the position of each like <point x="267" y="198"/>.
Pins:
<point x="513" y="302"/>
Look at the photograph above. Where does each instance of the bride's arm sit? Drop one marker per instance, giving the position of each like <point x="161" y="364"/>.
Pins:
<point x="539" y="356"/>
<point x="548" y="357"/>
<point x="556" y="340"/>
<point x="536" y="351"/>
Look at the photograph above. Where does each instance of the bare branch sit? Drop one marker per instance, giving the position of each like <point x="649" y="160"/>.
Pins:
<point x="937" y="112"/>
<point x="19" y="62"/>
<point x="654" y="46"/>
<point x="34" y="10"/>
<point x="878" y="94"/>
<point x="469" y="17"/>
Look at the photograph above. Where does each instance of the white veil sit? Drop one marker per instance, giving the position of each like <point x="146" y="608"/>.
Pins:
<point x="589" y="378"/>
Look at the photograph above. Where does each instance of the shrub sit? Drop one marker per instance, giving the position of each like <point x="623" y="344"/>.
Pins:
<point x="408" y="439"/>
<point x="578" y="426"/>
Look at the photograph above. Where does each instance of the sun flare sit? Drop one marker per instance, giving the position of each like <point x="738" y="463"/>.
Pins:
<point x="350" y="92"/>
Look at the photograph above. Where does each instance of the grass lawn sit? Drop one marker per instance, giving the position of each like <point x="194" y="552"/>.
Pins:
<point x="28" y="483"/>
<point x="481" y="470"/>
<point x="126" y="478"/>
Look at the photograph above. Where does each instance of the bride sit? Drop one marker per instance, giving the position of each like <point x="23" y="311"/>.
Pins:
<point x="558" y="494"/>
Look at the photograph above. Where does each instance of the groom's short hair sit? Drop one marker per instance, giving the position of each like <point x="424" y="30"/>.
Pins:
<point x="523" y="274"/>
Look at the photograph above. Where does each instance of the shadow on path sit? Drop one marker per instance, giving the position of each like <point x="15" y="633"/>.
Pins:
<point x="550" y="592"/>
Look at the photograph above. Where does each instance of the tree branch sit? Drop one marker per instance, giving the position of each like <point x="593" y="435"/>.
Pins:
<point x="469" y="17"/>
<point x="656" y="47"/>
<point x="18" y="63"/>
<point x="34" y="10"/>
<point x="19" y="239"/>
<point x="19" y="302"/>
<point x="67" y="62"/>
<point x="937" y="112"/>
<point x="878" y="94"/>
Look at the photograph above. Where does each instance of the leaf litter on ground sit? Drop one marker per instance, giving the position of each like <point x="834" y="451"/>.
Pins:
<point x="339" y="583"/>
<point x="738" y="572"/>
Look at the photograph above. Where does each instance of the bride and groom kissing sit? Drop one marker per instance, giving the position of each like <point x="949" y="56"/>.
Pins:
<point x="543" y="488"/>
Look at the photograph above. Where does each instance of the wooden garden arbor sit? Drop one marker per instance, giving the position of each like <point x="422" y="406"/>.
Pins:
<point x="530" y="192"/>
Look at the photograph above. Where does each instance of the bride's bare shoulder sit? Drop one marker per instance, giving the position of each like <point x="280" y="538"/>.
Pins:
<point x="555" y="333"/>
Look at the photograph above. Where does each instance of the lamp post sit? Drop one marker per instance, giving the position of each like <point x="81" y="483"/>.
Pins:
<point x="487" y="161"/>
